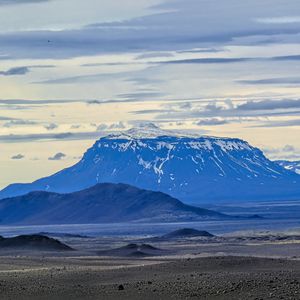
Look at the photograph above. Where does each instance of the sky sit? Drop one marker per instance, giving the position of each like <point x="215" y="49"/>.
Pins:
<point x="72" y="70"/>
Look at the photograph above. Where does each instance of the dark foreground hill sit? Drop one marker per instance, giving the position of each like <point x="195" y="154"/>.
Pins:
<point x="32" y="242"/>
<point x="103" y="203"/>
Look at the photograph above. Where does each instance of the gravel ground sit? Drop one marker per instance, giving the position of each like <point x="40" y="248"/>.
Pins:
<point x="199" y="278"/>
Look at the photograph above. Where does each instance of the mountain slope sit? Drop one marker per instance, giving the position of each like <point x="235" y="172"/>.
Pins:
<point x="103" y="203"/>
<point x="290" y="165"/>
<point x="194" y="169"/>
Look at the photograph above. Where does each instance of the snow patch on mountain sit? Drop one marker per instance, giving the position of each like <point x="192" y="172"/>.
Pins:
<point x="293" y="166"/>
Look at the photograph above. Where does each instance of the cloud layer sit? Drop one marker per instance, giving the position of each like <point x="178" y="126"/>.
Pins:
<point x="72" y="70"/>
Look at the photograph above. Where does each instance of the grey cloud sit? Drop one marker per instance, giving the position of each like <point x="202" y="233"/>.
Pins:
<point x="101" y="127"/>
<point x="286" y="58"/>
<point x="289" y="148"/>
<point x="141" y="95"/>
<point x="186" y="105"/>
<point x="95" y="102"/>
<point x="270" y="105"/>
<point x="6" y="118"/>
<point x="77" y="157"/>
<point x="207" y="50"/>
<point x="17" y="138"/>
<point x="23" y="70"/>
<point x="144" y="80"/>
<point x="18" y="156"/>
<point x="226" y="109"/>
<point x="291" y="157"/>
<point x="15" y="2"/>
<point x="285" y="152"/>
<point x="18" y="107"/>
<point x="37" y="102"/>
<point x="288" y="123"/>
<point x="15" y="71"/>
<point x="182" y="26"/>
<point x="272" y="81"/>
<point x="214" y="108"/>
<point x="149" y="111"/>
<point x="87" y="78"/>
<point x="206" y="61"/>
<point x="75" y="126"/>
<point x="18" y="122"/>
<point x="5" y="57"/>
<point x="130" y="75"/>
<point x="224" y="121"/>
<point x="212" y="122"/>
<point x="279" y="20"/>
<point x="119" y="125"/>
<point x="101" y="102"/>
<point x="217" y="60"/>
<point x="51" y="126"/>
<point x="224" y="60"/>
<point x="111" y="64"/>
<point x="57" y="156"/>
<point x="154" y="55"/>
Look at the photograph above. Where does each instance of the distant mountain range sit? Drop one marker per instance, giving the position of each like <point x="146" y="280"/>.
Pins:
<point x="103" y="203"/>
<point x="290" y="165"/>
<point x="191" y="168"/>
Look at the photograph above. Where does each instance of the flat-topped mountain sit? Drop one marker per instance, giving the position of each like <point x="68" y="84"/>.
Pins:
<point x="103" y="203"/>
<point x="190" y="168"/>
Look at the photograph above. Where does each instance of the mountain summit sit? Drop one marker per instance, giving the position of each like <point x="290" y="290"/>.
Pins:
<point x="194" y="169"/>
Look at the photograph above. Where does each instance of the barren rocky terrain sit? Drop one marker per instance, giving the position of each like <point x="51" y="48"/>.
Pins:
<point x="227" y="267"/>
<point x="199" y="278"/>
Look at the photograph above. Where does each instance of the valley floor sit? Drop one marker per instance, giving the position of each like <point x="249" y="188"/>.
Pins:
<point x="199" y="278"/>
<point x="218" y="268"/>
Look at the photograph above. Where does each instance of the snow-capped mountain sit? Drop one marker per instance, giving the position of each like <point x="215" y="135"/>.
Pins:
<point x="191" y="168"/>
<point x="290" y="165"/>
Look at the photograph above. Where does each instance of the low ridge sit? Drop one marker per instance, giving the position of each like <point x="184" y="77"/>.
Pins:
<point x="134" y="250"/>
<point x="186" y="233"/>
<point x="102" y="203"/>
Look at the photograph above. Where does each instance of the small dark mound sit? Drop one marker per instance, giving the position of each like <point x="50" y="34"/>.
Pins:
<point x="33" y="242"/>
<point x="130" y="246"/>
<point x="133" y="250"/>
<point x="256" y="217"/>
<point x="138" y="254"/>
<point x="148" y="247"/>
<point x="186" y="233"/>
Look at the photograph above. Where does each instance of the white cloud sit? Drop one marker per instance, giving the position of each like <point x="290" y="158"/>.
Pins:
<point x="279" y="20"/>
